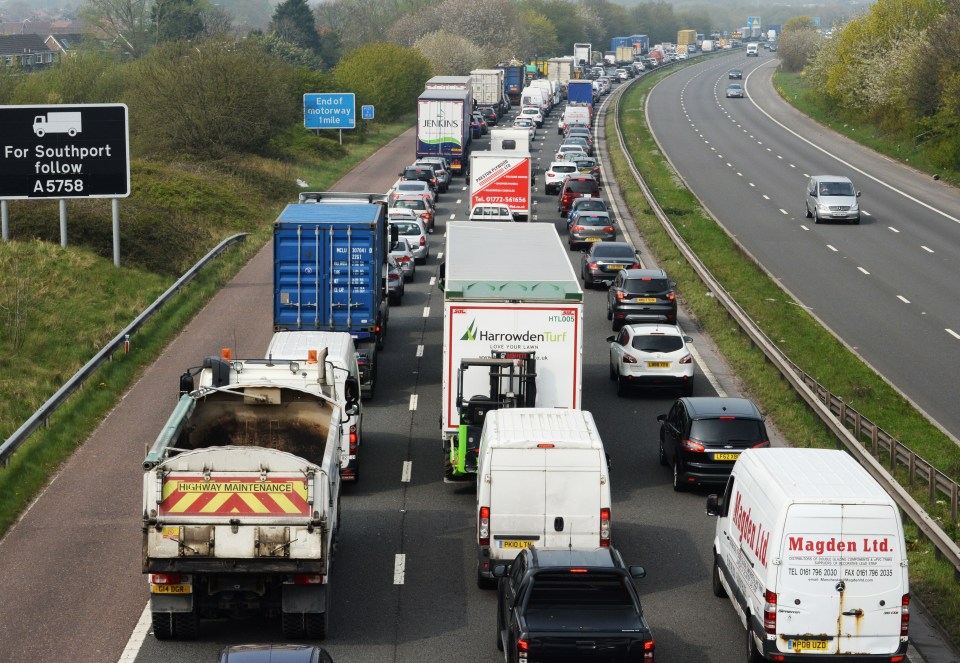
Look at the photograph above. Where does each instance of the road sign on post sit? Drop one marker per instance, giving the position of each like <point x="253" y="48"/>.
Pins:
<point x="366" y="112"/>
<point x="336" y="110"/>
<point x="77" y="151"/>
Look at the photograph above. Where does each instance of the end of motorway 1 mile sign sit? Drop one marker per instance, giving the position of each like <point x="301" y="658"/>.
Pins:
<point x="79" y="151"/>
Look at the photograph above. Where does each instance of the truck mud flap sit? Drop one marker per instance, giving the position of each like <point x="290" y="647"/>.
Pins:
<point x="304" y="598"/>
<point x="171" y="603"/>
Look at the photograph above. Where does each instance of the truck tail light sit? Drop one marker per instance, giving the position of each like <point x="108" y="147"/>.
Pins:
<point x="483" y="526"/>
<point x="604" y="528"/>
<point x="627" y="359"/>
<point x="687" y="359"/>
<point x="164" y="579"/>
<point x="770" y="612"/>
<point x="648" y="650"/>
<point x="905" y="616"/>
<point x="690" y="445"/>
<point x="353" y="438"/>
<point x="309" y="579"/>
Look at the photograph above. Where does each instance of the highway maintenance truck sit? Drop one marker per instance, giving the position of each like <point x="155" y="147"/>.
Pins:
<point x="512" y="337"/>
<point x="241" y="495"/>
<point x="329" y="260"/>
<point x="502" y="177"/>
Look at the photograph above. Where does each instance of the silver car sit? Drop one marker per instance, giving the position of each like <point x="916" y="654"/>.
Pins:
<point x="403" y="254"/>
<point x="832" y="198"/>
<point x="415" y="232"/>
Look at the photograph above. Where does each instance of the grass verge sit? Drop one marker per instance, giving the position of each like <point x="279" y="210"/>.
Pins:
<point x="59" y="307"/>
<point x="801" y="338"/>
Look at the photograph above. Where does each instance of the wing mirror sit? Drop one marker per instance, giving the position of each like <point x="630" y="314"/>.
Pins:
<point x="611" y="339"/>
<point x="661" y="418"/>
<point x="500" y="571"/>
<point x="714" y="505"/>
<point x="638" y="572"/>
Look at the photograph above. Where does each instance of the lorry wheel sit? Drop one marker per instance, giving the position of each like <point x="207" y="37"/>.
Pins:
<point x="315" y="625"/>
<point x="162" y="625"/>
<point x="175" y="625"/>
<point x="718" y="589"/>
<point x="291" y="625"/>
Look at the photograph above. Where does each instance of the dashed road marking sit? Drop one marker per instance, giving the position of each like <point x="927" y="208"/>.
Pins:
<point x="426" y="311"/>
<point x="804" y="227"/>
<point x="903" y="299"/>
<point x="433" y="281"/>
<point x="440" y="256"/>
<point x="893" y="229"/>
<point x="863" y="270"/>
<point x="783" y="211"/>
<point x="953" y="333"/>
<point x="831" y="247"/>
<point x="413" y="402"/>
<point x="399" y="568"/>
<point x="926" y="248"/>
<point x="766" y="197"/>
<point x="419" y="351"/>
<point x="405" y="473"/>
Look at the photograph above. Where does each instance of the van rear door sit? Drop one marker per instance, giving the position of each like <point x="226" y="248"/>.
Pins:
<point x="572" y="499"/>
<point x="517" y="490"/>
<point x="840" y="584"/>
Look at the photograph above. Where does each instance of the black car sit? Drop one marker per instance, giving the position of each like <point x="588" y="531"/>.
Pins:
<point x="489" y="113"/>
<point x="422" y="174"/>
<point x="702" y="437"/>
<point x="274" y="654"/>
<point x="735" y="73"/>
<point x="604" y="260"/>
<point x="641" y="295"/>
<point x="571" y="605"/>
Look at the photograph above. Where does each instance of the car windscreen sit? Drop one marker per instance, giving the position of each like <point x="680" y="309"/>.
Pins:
<point x="612" y="251"/>
<point x="645" y="286"/>
<point x="837" y="189"/>
<point x="552" y="589"/>
<point x="581" y="186"/>
<point x="407" y="228"/>
<point x="593" y="220"/>
<point x="657" y="343"/>
<point x="726" y="430"/>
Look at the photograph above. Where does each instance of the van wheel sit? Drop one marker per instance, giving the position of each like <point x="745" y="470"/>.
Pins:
<point x="806" y="211"/>
<point x="678" y="485"/>
<point x="718" y="589"/>
<point x="752" y="655"/>
<point x="816" y="217"/>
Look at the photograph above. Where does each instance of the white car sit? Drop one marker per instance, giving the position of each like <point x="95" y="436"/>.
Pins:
<point x="621" y="74"/>
<point x="414" y="231"/>
<point x="651" y="355"/>
<point x="403" y="254"/>
<point x="567" y="149"/>
<point x="402" y="188"/>
<point x="532" y="113"/>
<point x="526" y="123"/>
<point x="681" y="56"/>
<point x="418" y="205"/>
<point x="557" y="174"/>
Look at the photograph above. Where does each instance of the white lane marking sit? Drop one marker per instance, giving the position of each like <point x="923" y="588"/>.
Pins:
<point x="831" y="247"/>
<point x="739" y="174"/>
<point x="426" y="311"/>
<point x="804" y="227"/>
<point x="783" y="211"/>
<point x="893" y="229"/>
<point x="926" y="248"/>
<point x="464" y="189"/>
<point x="766" y="197"/>
<point x="707" y="373"/>
<point x="459" y="201"/>
<point x="730" y="164"/>
<point x="752" y="184"/>
<point x="413" y="402"/>
<point x="440" y="256"/>
<point x="850" y="165"/>
<point x="130" y="652"/>
<point x="865" y="212"/>
<point x="453" y="216"/>
<point x="433" y="281"/>
<point x="903" y="299"/>
<point x="399" y="568"/>
<point x="405" y="473"/>
<point x="953" y="333"/>
<point x="419" y="351"/>
<point x="863" y="270"/>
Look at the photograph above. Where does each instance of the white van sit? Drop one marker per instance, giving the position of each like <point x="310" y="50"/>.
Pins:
<point x="535" y="96"/>
<point x="341" y="360"/>
<point x="810" y="550"/>
<point x="542" y="479"/>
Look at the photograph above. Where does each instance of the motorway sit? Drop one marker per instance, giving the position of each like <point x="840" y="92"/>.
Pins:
<point x="403" y="580"/>
<point x="887" y="287"/>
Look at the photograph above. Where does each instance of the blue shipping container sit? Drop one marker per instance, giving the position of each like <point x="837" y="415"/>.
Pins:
<point x="616" y="42"/>
<point x="644" y="42"/>
<point x="328" y="267"/>
<point x="513" y="81"/>
<point x="580" y="92"/>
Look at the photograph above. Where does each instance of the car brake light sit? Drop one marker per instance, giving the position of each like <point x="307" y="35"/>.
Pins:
<point x="604" y="528"/>
<point x="765" y="443"/>
<point x="608" y="229"/>
<point x="627" y="359"/>
<point x="671" y="296"/>
<point x="726" y="418"/>
<point x="577" y="229"/>
<point x="904" y="615"/>
<point x="579" y="570"/>
<point x="545" y="446"/>
<point x="690" y="445"/>
<point x="403" y="258"/>
<point x="620" y="294"/>
<point x="394" y="277"/>
<point x="523" y="646"/>
<point x="592" y="265"/>
<point x="770" y="612"/>
<point x="308" y="579"/>
<point x="648" y="650"/>
<point x="164" y="579"/>
<point x="423" y="240"/>
<point x="483" y="526"/>
<point x="688" y="359"/>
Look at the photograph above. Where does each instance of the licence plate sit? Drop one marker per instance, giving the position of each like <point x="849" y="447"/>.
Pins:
<point x="658" y="364"/>
<point x="171" y="589"/>
<point x="647" y="300"/>
<point x="725" y="456"/>
<point x="591" y="239"/>
<point x="614" y="266"/>
<point x="515" y="545"/>
<point x="802" y="645"/>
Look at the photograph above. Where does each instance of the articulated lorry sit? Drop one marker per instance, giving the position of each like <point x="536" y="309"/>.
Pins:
<point x="560" y="70"/>
<point x="514" y="80"/>
<point x="329" y="259"/>
<point x="241" y="497"/>
<point x="581" y="54"/>
<point x="502" y="177"/>
<point x="443" y="126"/>
<point x="512" y="337"/>
<point x="487" y="87"/>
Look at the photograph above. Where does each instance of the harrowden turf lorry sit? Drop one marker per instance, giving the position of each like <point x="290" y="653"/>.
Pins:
<point x="502" y="177"/>
<point x="329" y="255"/>
<point x="241" y="494"/>
<point x="512" y="337"/>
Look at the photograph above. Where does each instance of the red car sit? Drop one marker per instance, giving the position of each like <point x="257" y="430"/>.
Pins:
<point x="576" y="187"/>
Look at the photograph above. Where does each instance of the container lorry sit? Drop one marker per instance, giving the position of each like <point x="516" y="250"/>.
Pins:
<point x="443" y="126"/>
<point x="687" y="38"/>
<point x="241" y="497"/>
<point x="512" y="336"/>
<point x="616" y="42"/>
<point x="513" y="80"/>
<point x="502" y="177"/>
<point x="449" y="83"/>
<point x="560" y="70"/>
<point x="641" y="44"/>
<point x="487" y="86"/>
<point x="329" y="256"/>
<point x="581" y="54"/>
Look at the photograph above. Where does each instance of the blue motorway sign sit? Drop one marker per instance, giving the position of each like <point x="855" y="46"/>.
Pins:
<point x="334" y="110"/>
<point x="366" y="112"/>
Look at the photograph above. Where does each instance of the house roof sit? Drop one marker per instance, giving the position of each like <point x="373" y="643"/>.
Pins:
<point x="20" y="44"/>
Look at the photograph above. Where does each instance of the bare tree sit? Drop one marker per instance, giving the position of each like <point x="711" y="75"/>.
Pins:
<point x="126" y="22"/>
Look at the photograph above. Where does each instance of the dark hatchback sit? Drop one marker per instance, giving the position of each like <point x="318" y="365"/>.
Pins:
<point x="641" y="295"/>
<point x="604" y="260"/>
<point x="576" y="187"/>
<point x="422" y="174"/>
<point x="735" y="74"/>
<point x="702" y="437"/>
<point x="489" y="113"/>
<point x="591" y="227"/>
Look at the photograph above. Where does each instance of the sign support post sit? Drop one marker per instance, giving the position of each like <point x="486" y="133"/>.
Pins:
<point x="115" y="208"/>
<point x="5" y="220"/>
<point x="63" y="222"/>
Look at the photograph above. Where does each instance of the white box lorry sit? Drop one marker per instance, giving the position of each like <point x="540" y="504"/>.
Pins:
<point x="512" y="336"/>
<point x="502" y="177"/>
<point x="241" y="496"/>
<point x="340" y="355"/>
<point x="810" y="549"/>
<point x="511" y="140"/>
<point x="542" y="481"/>
<point x="487" y="86"/>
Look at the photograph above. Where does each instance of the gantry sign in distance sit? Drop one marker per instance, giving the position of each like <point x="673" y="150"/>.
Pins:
<point x="79" y="151"/>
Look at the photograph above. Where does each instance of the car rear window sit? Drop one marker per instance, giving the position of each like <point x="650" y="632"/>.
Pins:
<point x="593" y="220"/>
<point x="580" y="589"/>
<point x="582" y="186"/>
<point x="411" y="186"/>
<point x="572" y="168"/>
<point x="411" y="204"/>
<point x="407" y="228"/>
<point x="591" y="205"/>
<point x="657" y="343"/>
<point x="727" y="431"/>
<point x="641" y="286"/>
<point x="606" y="250"/>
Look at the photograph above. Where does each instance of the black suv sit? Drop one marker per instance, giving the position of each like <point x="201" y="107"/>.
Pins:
<point x="489" y="114"/>
<point x="423" y="174"/>
<point x="702" y="437"/>
<point x="641" y="295"/>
